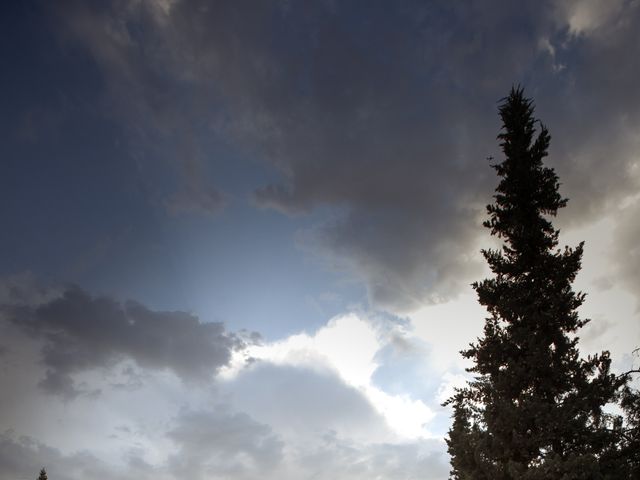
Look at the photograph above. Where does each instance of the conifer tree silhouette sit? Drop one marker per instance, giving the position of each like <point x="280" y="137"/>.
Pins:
<point x="535" y="407"/>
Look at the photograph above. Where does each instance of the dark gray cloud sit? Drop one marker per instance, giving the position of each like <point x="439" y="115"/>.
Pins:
<point x="81" y="332"/>
<point x="220" y="444"/>
<point x="593" y="109"/>
<point x="305" y="401"/>
<point x="342" y="460"/>
<point x="223" y="444"/>
<point x="21" y="458"/>
<point x="25" y="289"/>
<point x="385" y="114"/>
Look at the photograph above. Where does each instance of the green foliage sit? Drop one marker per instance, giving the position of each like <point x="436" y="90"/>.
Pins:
<point x="43" y="475"/>
<point x="535" y="407"/>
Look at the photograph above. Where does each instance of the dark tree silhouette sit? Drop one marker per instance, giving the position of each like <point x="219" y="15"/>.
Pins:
<point x="535" y="407"/>
<point x="43" y="475"/>
<point x="630" y="430"/>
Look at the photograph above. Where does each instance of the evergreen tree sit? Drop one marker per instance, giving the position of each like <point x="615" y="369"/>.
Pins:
<point x="43" y="475"/>
<point x="630" y="429"/>
<point x="535" y="407"/>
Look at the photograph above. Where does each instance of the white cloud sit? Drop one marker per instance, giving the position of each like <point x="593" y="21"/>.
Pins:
<point x="614" y="314"/>
<point x="586" y="16"/>
<point x="347" y="346"/>
<point x="448" y="328"/>
<point x="450" y="382"/>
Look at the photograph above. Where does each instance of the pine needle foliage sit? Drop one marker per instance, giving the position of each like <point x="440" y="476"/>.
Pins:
<point x="535" y="407"/>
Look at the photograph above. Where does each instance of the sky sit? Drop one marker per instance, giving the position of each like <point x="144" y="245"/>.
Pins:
<point x="238" y="237"/>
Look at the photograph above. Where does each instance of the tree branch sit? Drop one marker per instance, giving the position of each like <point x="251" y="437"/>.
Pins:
<point x="627" y="373"/>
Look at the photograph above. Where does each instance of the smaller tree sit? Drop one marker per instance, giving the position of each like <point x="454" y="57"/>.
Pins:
<point x="43" y="475"/>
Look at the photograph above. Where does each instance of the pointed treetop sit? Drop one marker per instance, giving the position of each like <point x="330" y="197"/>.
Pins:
<point x="535" y="409"/>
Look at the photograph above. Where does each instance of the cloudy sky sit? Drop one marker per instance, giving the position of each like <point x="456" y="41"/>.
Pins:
<point x="238" y="236"/>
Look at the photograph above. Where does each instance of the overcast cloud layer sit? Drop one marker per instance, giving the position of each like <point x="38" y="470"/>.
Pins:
<point x="180" y="170"/>
<point x="383" y="113"/>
